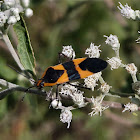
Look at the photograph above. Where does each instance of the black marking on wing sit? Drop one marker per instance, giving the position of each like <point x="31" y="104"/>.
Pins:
<point x="52" y="75"/>
<point x="93" y="65"/>
<point x="71" y="71"/>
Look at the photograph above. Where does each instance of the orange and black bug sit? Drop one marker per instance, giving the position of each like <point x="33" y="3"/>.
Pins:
<point x="66" y="72"/>
<point x="72" y="70"/>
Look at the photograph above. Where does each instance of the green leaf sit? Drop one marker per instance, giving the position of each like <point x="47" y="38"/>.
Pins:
<point x="25" y="50"/>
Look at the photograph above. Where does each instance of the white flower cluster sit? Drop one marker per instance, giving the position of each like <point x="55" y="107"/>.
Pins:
<point x="131" y="68"/>
<point x="113" y="41"/>
<point x="91" y="81"/>
<point x="128" y="12"/>
<point x="68" y="51"/>
<point x="114" y="62"/>
<point x="93" y="51"/>
<point x="66" y="116"/>
<point x="68" y="89"/>
<point x="97" y="105"/>
<point x="10" y="10"/>
<point x="105" y="88"/>
<point x="74" y="93"/>
<point x="130" y="107"/>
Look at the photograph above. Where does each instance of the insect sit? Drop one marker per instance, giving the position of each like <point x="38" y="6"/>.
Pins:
<point x="72" y="70"/>
<point x="66" y="72"/>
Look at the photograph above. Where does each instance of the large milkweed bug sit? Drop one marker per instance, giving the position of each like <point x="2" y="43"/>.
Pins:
<point x="66" y="72"/>
<point x="75" y="69"/>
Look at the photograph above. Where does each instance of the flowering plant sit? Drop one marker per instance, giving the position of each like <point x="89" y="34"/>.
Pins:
<point x="10" y="16"/>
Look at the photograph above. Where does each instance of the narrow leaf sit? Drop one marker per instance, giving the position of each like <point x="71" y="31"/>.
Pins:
<point x="24" y="47"/>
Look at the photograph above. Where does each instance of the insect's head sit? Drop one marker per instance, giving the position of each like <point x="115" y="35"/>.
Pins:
<point x="40" y="83"/>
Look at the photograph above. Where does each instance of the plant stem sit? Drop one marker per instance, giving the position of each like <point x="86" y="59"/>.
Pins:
<point x="12" y="51"/>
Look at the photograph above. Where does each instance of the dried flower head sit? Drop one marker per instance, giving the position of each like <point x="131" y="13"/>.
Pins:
<point x="68" y="51"/>
<point x="74" y="93"/>
<point x="127" y="11"/>
<point x="93" y="51"/>
<point x="68" y="90"/>
<point x="97" y="105"/>
<point x="114" y="62"/>
<point x="78" y="99"/>
<point x="130" y="107"/>
<point x="90" y="81"/>
<point x="66" y="116"/>
<point x="105" y="88"/>
<point x="113" y="41"/>
<point x="131" y="68"/>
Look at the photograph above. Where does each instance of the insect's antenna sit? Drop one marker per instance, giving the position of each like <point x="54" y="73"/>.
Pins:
<point x="22" y="74"/>
<point x="26" y="91"/>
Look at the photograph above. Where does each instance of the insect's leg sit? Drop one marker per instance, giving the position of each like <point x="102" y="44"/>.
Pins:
<point x="60" y="55"/>
<point x="25" y="93"/>
<point x="57" y="92"/>
<point x="79" y="86"/>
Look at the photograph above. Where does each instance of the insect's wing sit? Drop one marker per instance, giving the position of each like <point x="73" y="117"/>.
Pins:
<point x="93" y="65"/>
<point x="71" y="70"/>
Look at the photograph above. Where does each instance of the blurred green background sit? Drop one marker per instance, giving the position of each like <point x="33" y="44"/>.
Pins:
<point x="56" y="23"/>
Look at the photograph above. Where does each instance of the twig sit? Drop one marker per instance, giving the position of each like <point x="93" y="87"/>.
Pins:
<point x="110" y="104"/>
<point x="14" y="87"/>
<point x="121" y="120"/>
<point x="12" y="51"/>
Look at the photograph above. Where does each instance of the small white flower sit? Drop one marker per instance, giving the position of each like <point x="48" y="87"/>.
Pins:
<point x="3" y="19"/>
<point x="9" y="3"/>
<point x="90" y="81"/>
<point x="56" y="104"/>
<point x="114" y="62"/>
<point x="66" y="116"/>
<point x="127" y="11"/>
<point x="105" y="88"/>
<point x="28" y="12"/>
<point x="137" y="13"/>
<point x="68" y="51"/>
<point x="113" y="41"/>
<point x="68" y="90"/>
<point x="25" y="3"/>
<point x="97" y="105"/>
<point x="93" y="51"/>
<point x="131" y="68"/>
<point x="15" y="12"/>
<point x="78" y="99"/>
<point x="12" y="20"/>
<point x="130" y="107"/>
